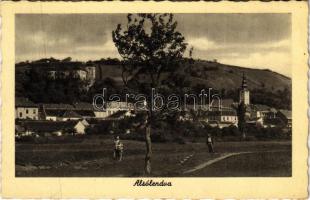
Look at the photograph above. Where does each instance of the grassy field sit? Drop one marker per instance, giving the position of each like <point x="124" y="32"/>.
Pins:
<point x="92" y="157"/>
<point x="276" y="164"/>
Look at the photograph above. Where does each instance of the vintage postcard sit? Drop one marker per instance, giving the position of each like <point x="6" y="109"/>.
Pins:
<point x="157" y="100"/>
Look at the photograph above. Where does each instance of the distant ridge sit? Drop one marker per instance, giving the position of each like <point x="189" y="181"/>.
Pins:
<point x="216" y="75"/>
<point x="201" y="72"/>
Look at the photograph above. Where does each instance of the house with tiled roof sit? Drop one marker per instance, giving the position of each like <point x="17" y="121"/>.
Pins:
<point x="63" y="112"/>
<point x="85" y="114"/>
<point x="224" y="118"/>
<point x="264" y="111"/>
<point x="26" y="109"/>
<point x="71" y="115"/>
<point x="83" y="106"/>
<point x="58" y="106"/>
<point x="53" y="127"/>
<point x="286" y="117"/>
<point x="54" y="114"/>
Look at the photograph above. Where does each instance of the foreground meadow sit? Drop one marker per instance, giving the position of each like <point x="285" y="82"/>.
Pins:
<point x="93" y="157"/>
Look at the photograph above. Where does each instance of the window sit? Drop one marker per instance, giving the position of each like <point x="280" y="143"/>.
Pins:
<point x="34" y="111"/>
<point x="26" y="111"/>
<point x="20" y="114"/>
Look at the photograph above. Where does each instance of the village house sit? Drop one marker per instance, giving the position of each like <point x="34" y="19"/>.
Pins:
<point x="224" y="115"/>
<point x="83" y="110"/>
<point x="224" y="118"/>
<point x="119" y="115"/>
<point x="19" y="131"/>
<point x="64" y="112"/>
<point x="56" y="106"/>
<point x="286" y="117"/>
<point x="261" y="110"/>
<point x="71" y="115"/>
<point x="211" y="112"/>
<point x="112" y="107"/>
<point x="45" y="128"/>
<point x="26" y="109"/>
<point x="115" y="106"/>
<point x="89" y="111"/>
<point x="85" y="122"/>
<point x="53" y="115"/>
<point x="264" y="112"/>
<point x="54" y="112"/>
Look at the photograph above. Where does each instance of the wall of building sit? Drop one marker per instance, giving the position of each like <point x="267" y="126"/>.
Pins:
<point x="79" y="128"/>
<point x="232" y="119"/>
<point x="51" y="118"/>
<point x="70" y="118"/>
<point x="26" y="113"/>
<point x="101" y="114"/>
<point x="244" y="96"/>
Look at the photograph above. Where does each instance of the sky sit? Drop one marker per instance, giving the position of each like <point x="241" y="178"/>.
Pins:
<point x="248" y="40"/>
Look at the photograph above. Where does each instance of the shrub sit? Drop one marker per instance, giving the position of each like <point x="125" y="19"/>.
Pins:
<point x="250" y="138"/>
<point x="230" y="131"/>
<point x="179" y="140"/>
<point x="134" y="136"/>
<point x="231" y="138"/>
<point x="157" y="137"/>
<point x="29" y="139"/>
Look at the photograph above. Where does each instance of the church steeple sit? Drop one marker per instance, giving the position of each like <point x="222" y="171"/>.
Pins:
<point x="244" y="82"/>
<point x="244" y="93"/>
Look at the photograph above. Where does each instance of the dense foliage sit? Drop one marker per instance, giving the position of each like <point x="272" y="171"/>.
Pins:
<point x="36" y="85"/>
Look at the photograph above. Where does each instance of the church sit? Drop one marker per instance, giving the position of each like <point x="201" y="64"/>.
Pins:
<point x="227" y="116"/>
<point x="244" y="93"/>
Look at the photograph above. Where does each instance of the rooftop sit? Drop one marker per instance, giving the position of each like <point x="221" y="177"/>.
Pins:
<point x="286" y="113"/>
<point x="260" y="107"/>
<point x="83" y="106"/>
<point x="71" y="114"/>
<point x="54" y="112"/>
<point x="223" y="113"/>
<point x="57" y="106"/>
<point x="48" y="126"/>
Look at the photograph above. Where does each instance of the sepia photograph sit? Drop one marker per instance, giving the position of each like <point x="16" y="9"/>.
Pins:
<point x="153" y="95"/>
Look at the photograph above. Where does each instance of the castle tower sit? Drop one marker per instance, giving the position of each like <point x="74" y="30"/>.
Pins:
<point x="244" y="93"/>
<point x="91" y="74"/>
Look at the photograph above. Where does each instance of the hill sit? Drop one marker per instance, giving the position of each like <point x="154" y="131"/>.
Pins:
<point x="266" y="87"/>
<point x="216" y="75"/>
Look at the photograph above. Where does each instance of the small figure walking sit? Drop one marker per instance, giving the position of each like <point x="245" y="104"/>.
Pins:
<point x="210" y="143"/>
<point x="118" y="149"/>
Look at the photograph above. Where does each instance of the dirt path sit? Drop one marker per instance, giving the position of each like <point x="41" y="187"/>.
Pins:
<point x="210" y="162"/>
<point x="224" y="156"/>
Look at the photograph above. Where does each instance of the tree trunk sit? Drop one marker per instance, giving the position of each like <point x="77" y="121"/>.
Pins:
<point x="148" y="142"/>
<point x="243" y="132"/>
<point x="243" y="135"/>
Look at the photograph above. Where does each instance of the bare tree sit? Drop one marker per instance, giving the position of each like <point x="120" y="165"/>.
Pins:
<point x="149" y="46"/>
